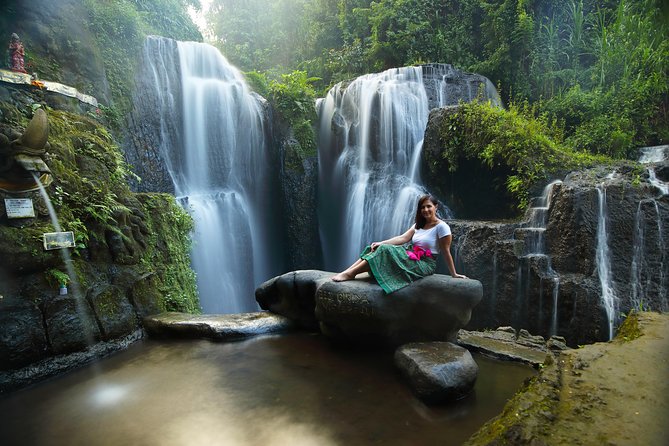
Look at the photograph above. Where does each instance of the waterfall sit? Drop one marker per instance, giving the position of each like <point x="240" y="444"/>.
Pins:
<point x="493" y="291"/>
<point x="603" y="260"/>
<point x="648" y="272"/>
<point x="371" y="138"/>
<point x="653" y="155"/>
<point x="370" y="143"/>
<point x="554" y="317"/>
<point x="535" y="228"/>
<point x="214" y="146"/>
<point x="533" y="234"/>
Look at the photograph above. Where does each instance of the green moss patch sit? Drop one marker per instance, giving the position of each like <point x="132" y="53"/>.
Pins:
<point x="629" y="329"/>
<point x="525" y="149"/>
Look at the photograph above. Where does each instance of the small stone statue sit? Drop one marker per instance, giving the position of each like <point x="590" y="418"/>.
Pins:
<point x="16" y="54"/>
<point x="21" y="157"/>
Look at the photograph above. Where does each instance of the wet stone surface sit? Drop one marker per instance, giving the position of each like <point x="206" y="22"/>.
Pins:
<point x="219" y="327"/>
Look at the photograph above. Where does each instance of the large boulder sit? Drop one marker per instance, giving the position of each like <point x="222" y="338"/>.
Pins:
<point x="437" y="371"/>
<point x="293" y="295"/>
<point x="431" y="309"/>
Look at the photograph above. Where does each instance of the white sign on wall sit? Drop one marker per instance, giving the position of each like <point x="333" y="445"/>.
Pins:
<point x="19" y="207"/>
<point x="58" y="240"/>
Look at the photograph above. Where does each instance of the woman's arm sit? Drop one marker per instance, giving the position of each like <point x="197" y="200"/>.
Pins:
<point x="397" y="240"/>
<point x="445" y="247"/>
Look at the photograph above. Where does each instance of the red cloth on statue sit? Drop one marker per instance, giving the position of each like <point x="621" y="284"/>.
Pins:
<point x="16" y="53"/>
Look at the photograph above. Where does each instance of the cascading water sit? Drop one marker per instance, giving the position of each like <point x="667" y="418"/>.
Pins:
<point x="533" y="234"/>
<point x="603" y="260"/>
<point x="370" y="143"/>
<point x="216" y="151"/>
<point x="85" y="318"/>
<point x="649" y="270"/>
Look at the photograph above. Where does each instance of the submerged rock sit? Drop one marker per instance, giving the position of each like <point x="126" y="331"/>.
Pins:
<point x="437" y="371"/>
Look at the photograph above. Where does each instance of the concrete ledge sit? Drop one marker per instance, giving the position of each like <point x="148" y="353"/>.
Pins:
<point x="14" y="77"/>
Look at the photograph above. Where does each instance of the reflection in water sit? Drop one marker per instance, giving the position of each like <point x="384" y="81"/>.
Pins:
<point x="275" y="390"/>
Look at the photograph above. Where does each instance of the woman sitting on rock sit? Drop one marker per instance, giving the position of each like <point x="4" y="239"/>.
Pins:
<point x="395" y="266"/>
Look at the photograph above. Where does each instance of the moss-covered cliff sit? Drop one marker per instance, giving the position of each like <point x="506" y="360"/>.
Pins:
<point x="131" y="254"/>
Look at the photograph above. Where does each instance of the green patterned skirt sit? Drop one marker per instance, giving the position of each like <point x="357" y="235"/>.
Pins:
<point x="393" y="269"/>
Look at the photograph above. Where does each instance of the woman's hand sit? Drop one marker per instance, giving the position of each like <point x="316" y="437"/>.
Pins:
<point x="460" y="276"/>
<point x="374" y="245"/>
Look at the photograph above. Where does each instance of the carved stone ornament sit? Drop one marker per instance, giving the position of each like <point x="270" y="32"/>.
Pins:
<point x="21" y="159"/>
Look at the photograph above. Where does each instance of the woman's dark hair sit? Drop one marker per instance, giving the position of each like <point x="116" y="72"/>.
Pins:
<point x="420" y="220"/>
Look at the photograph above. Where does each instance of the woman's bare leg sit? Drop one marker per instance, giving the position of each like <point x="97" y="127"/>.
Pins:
<point x="360" y="266"/>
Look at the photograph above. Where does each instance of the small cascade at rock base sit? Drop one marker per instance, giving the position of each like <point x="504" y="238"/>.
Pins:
<point x="86" y="321"/>
<point x="213" y="142"/>
<point x="649" y="272"/>
<point x="534" y="257"/>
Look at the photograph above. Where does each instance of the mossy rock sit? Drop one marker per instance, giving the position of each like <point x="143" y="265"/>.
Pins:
<point x="22" y="336"/>
<point x="146" y="296"/>
<point x="70" y="324"/>
<point x="113" y="311"/>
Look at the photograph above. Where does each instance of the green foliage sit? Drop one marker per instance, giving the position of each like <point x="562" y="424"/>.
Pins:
<point x="57" y="276"/>
<point x="258" y="82"/>
<point x="600" y="68"/>
<point x="120" y="28"/>
<point x="168" y="250"/>
<point x="516" y="140"/>
<point x="629" y="329"/>
<point x="90" y="174"/>
<point x="293" y="97"/>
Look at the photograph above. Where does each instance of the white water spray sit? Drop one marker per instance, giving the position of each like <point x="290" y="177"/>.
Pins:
<point x="603" y="260"/>
<point x="218" y="158"/>
<point x="533" y="234"/>
<point x="369" y="164"/>
<point x="85" y="317"/>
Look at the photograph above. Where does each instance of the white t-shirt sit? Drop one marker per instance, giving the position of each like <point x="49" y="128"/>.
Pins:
<point x="429" y="238"/>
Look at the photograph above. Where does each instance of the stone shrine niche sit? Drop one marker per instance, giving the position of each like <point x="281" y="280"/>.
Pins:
<point x="21" y="163"/>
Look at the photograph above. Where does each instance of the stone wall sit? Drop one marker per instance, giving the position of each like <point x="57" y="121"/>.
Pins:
<point x="561" y="292"/>
<point x="130" y="257"/>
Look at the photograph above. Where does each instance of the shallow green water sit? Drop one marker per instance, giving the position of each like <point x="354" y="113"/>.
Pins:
<point x="273" y="390"/>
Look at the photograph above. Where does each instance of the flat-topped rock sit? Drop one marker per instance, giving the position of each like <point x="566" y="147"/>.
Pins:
<point x="216" y="326"/>
<point x="504" y="343"/>
<point x="431" y="309"/>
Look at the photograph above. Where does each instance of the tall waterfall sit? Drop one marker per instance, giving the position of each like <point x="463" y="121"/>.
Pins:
<point x="603" y="261"/>
<point x="370" y="142"/>
<point x="216" y="151"/>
